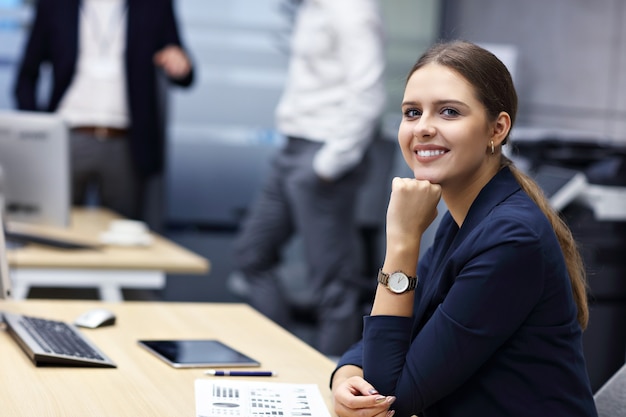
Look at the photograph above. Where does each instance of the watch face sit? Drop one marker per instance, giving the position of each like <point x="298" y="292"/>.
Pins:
<point x="398" y="282"/>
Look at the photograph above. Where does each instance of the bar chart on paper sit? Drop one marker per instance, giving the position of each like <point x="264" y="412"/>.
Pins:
<point x="257" y="399"/>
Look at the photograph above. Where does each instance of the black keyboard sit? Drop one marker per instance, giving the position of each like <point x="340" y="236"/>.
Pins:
<point x="53" y="342"/>
<point x="58" y="337"/>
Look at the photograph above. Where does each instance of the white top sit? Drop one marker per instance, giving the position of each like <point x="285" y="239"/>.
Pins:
<point x="335" y="90"/>
<point x="97" y="94"/>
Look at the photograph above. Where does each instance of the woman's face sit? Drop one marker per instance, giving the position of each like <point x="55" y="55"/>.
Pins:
<point x="445" y="134"/>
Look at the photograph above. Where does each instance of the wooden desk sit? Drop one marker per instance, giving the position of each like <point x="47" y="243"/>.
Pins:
<point x="142" y="385"/>
<point x="109" y="268"/>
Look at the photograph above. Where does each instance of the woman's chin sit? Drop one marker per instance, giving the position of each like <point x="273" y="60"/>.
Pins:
<point x="425" y="176"/>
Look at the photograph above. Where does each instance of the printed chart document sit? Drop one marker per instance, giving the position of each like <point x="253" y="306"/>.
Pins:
<point x="219" y="397"/>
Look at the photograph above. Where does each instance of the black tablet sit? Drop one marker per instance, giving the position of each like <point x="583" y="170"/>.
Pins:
<point x="197" y="353"/>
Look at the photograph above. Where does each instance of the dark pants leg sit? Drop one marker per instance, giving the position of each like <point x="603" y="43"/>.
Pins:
<point x="323" y="213"/>
<point x="266" y="228"/>
<point x="107" y="165"/>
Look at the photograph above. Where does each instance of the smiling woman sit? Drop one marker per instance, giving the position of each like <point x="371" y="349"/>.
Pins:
<point x="495" y="322"/>
<point x="445" y="131"/>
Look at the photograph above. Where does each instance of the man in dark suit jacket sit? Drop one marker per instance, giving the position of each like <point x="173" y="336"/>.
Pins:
<point x="148" y="39"/>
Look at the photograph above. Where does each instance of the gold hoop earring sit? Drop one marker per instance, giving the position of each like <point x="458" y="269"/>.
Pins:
<point x="493" y="151"/>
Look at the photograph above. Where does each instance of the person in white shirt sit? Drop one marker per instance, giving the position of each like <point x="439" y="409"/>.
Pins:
<point x="104" y="56"/>
<point x="330" y="111"/>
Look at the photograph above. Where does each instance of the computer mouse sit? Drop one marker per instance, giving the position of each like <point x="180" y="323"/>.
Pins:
<point x="96" y="317"/>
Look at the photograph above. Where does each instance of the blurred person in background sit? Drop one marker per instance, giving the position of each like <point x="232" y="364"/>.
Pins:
<point x="104" y="57"/>
<point x="330" y="111"/>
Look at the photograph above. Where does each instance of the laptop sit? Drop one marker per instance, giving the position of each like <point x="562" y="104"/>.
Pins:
<point x="47" y="342"/>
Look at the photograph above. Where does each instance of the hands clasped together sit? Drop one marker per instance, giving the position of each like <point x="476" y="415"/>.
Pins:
<point x="357" y="397"/>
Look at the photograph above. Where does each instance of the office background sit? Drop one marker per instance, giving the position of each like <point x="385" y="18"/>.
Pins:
<point x="569" y="62"/>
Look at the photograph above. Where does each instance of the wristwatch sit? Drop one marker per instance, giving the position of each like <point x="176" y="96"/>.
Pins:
<point x="397" y="282"/>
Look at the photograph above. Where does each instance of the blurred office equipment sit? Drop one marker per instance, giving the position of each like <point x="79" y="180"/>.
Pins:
<point x="5" y="278"/>
<point x="560" y="185"/>
<point x="595" y="211"/>
<point x="34" y="156"/>
<point x="610" y="399"/>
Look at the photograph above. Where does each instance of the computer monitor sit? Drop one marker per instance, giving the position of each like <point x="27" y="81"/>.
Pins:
<point x="34" y="161"/>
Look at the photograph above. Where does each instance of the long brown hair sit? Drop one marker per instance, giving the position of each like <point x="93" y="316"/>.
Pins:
<point x="494" y="88"/>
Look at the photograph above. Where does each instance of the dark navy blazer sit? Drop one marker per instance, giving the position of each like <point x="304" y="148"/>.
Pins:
<point x="494" y="330"/>
<point x="54" y="39"/>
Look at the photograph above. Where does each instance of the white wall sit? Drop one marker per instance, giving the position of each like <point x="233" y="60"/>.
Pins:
<point x="571" y="61"/>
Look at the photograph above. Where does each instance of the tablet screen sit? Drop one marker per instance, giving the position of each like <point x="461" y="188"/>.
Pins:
<point x="197" y="353"/>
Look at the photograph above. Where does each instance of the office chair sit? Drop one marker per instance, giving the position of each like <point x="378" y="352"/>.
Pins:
<point x="610" y="399"/>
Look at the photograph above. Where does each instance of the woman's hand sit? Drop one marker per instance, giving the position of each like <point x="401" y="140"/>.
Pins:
<point x="355" y="397"/>
<point x="412" y="208"/>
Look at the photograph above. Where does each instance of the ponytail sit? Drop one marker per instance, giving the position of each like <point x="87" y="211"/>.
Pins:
<point x="573" y="259"/>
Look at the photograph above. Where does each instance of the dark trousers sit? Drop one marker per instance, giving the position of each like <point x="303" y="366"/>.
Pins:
<point x="295" y="200"/>
<point x="105" y="165"/>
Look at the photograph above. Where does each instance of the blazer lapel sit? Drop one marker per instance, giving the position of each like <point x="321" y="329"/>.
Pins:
<point x="429" y="298"/>
<point x="502" y="185"/>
